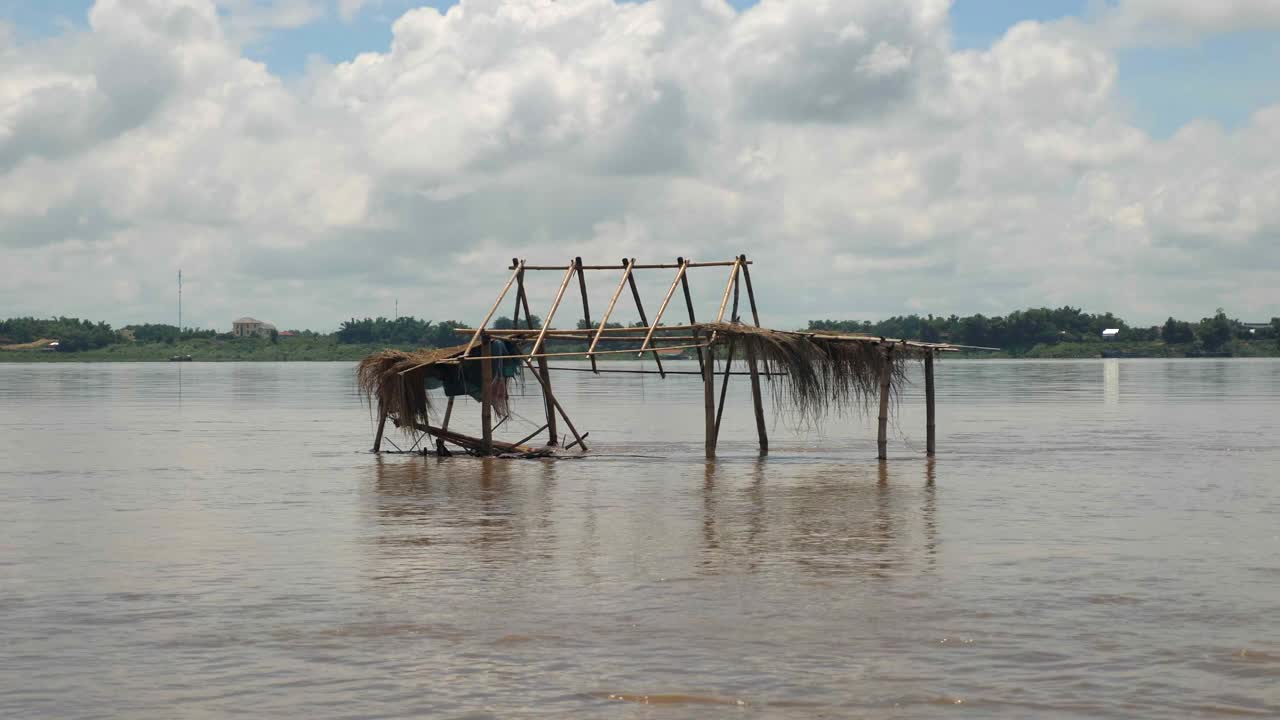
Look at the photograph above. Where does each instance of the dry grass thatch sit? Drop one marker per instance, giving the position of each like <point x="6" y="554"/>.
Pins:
<point x="403" y="397"/>
<point x="823" y="373"/>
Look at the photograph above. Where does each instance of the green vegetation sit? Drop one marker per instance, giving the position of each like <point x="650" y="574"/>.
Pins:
<point x="1071" y="333"/>
<point x="1036" y="333"/>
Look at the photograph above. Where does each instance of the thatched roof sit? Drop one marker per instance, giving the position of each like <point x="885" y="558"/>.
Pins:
<point x="383" y="377"/>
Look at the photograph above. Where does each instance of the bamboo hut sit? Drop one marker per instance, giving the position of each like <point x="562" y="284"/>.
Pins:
<point x="809" y="374"/>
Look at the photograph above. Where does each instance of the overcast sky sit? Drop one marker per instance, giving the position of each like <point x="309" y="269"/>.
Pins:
<point x="306" y="161"/>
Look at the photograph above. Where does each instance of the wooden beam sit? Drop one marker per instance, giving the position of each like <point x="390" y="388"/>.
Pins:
<point x="882" y="436"/>
<point x="546" y="322"/>
<point x="546" y="392"/>
<point x="724" y="388"/>
<point x="724" y="301"/>
<point x="688" y="301"/>
<point x="519" y="270"/>
<point x="931" y="428"/>
<point x="709" y="402"/>
<point x="586" y="334"/>
<point x="382" y="424"/>
<point x="542" y="373"/>
<point x="626" y="274"/>
<point x="751" y="294"/>
<point x="559" y="368"/>
<point x="586" y="305"/>
<point x="658" y="266"/>
<point x="486" y="396"/>
<point x="757" y="401"/>
<point x="635" y="293"/>
<point x="448" y="413"/>
<point x="665" y="302"/>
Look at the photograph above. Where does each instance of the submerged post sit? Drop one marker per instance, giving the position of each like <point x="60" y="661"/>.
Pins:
<point x="382" y="424"/>
<point x="709" y="398"/>
<point x="756" y="396"/>
<point x="931" y="442"/>
<point x="486" y="396"/>
<point x="882" y="436"/>
<point x="444" y="425"/>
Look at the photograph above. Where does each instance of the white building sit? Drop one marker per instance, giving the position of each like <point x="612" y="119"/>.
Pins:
<point x="1110" y="333"/>
<point x="248" y="327"/>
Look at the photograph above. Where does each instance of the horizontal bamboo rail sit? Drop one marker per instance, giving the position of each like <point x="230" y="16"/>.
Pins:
<point x="575" y="331"/>
<point x="655" y="372"/>
<point x="580" y="354"/>
<point x="660" y="266"/>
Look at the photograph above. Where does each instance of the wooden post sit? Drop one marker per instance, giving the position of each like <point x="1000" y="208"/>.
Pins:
<point x="756" y="400"/>
<point x="382" y="424"/>
<point x="546" y="391"/>
<point x="882" y="437"/>
<point x="709" y="400"/>
<point x="635" y="293"/>
<point x="544" y="371"/>
<point x="486" y="396"/>
<point x="931" y="442"/>
<point x="586" y="305"/>
<point x="448" y="413"/>
<point x="724" y="387"/>
<point x="688" y="301"/>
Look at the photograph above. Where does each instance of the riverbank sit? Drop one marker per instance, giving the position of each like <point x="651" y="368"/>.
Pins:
<point x="326" y="348"/>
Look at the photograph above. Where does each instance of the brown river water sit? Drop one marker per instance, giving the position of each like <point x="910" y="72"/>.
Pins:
<point x="1095" y="539"/>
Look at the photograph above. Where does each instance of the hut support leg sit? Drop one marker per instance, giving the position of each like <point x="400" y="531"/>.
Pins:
<point x="882" y="437"/>
<point x="688" y="301"/>
<point x="543" y="372"/>
<point x="486" y="397"/>
<point x="382" y="425"/>
<point x="555" y="406"/>
<point x="709" y="399"/>
<point x="756" y="400"/>
<point x="448" y="413"/>
<point x="931" y="443"/>
<point x="724" y="388"/>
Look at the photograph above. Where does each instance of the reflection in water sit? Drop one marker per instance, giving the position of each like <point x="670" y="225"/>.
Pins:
<point x="1111" y="381"/>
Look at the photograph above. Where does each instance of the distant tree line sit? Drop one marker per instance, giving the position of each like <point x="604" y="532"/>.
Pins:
<point x="1022" y="330"/>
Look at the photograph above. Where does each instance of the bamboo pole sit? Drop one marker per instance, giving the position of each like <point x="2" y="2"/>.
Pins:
<point x="665" y="301"/>
<point x="738" y="373"/>
<point x="485" y="323"/>
<point x="551" y="399"/>
<point x="543" y="372"/>
<point x="626" y="275"/>
<point x="546" y="322"/>
<point x="724" y="387"/>
<point x="724" y="301"/>
<point x="585" y="334"/>
<point x="586" y="305"/>
<point x="751" y="294"/>
<point x="580" y="353"/>
<point x="757" y="401"/>
<point x="635" y="293"/>
<point x="882" y="436"/>
<point x="486" y="396"/>
<point x="382" y="424"/>
<point x="709" y="402"/>
<point x="658" y="266"/>
<point x="931" y="442"/>
<point x="688" y="301"/>
<point x="515" y="314"/>
<point x="448" y="413"/>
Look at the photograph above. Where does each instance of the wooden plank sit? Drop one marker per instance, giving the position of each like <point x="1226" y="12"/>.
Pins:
<point x="486" y="397"/>
<point x="931" y="428"/>
<point x="586" y="305"/>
